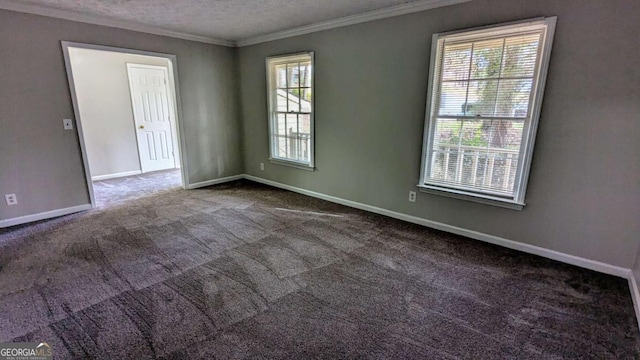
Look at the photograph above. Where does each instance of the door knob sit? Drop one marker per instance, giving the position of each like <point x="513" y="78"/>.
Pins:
<point x="141" y="126"/>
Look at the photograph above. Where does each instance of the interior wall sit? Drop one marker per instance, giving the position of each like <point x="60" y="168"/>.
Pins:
<point x="104" y="102"/>
<point x="371" y="84"/>
<point x="41" y="163"/>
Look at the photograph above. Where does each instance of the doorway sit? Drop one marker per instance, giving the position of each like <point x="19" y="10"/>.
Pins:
<point x="126" y="105"/>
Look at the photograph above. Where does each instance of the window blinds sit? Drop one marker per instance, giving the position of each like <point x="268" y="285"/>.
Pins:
<point x="481" y="106"/>
<point x="291" y="107"/>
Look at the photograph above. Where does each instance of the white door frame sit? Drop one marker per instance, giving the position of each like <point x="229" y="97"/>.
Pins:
<point x="173" y="81"/>
<point x="171" y="107"/>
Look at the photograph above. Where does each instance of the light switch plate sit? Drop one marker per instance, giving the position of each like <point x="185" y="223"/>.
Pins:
<point x="68" y="124"/>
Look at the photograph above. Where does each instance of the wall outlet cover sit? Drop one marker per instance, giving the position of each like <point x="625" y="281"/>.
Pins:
<point x="11" y="199"/>
<point x="412" y="196"/>
<point x="68" y="124"/>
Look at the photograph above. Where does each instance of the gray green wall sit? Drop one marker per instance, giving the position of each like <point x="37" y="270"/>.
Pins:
<point x="41" y="163"/>
<point x="583" y="196"/>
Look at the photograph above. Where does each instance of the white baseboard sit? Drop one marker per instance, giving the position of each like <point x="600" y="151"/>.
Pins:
<point x="116" y="175"/>
<point x="527" y="248"/>
<point x="43" y="215"/>
<point x="635" y="295"/>
<point x="214" y="182"/>
<point x="531" y="249"/>
<point x="66" y="211"/>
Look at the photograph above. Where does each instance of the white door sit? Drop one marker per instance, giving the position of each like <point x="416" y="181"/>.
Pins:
<point x="152" y="117"/>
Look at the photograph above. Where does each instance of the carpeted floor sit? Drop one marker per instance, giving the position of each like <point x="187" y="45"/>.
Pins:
<point x="116" y="191"/>
<point x="245" y="271"/>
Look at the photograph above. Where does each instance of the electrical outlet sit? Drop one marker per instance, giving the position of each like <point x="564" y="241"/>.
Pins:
<point x="412" y="196"/>
<point x="261" y="166"/>
<point x="11" y="199"/>
<point x="68" y="124"/>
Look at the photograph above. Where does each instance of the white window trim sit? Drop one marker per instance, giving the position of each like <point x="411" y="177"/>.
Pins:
<point x="528" y="139"/>
<point x="286" y="58"/>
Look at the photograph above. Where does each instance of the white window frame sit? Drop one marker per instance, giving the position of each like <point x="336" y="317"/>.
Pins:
<point x="530" y="124"/>
<point x="271" y="62"/>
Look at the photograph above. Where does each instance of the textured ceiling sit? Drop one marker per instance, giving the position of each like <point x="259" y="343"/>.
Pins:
<point x="222" y="19"/>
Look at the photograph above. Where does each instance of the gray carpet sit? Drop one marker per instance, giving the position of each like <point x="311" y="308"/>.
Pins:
<point x="245" y="271"/>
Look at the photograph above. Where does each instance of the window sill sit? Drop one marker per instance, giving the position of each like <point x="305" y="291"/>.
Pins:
<point x="462" y="195"/>
<point x="295" y="164"/>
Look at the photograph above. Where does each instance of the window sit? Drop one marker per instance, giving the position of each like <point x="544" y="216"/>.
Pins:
<point x="485" y="94"/>
<point x="290" y="90"/>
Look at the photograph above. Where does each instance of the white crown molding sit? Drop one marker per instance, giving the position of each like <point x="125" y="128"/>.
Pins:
<point x="97" y="20"/>
<point x="397" y="10"/>
<point x="403" y="9"/>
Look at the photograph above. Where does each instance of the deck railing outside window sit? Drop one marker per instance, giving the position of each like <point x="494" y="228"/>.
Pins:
<point x="475" y="167"/>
